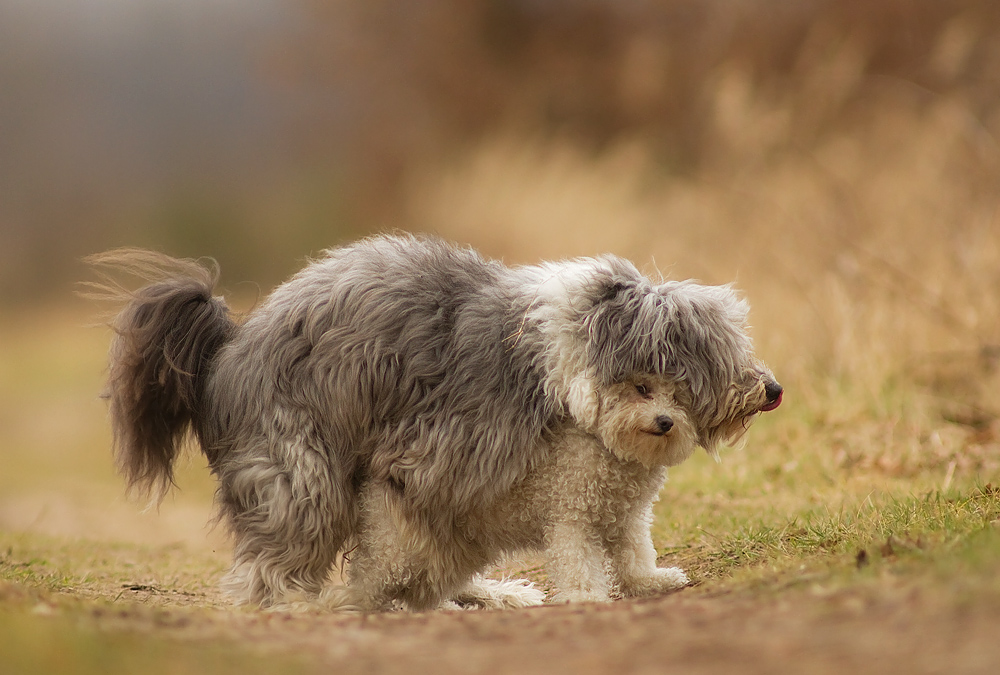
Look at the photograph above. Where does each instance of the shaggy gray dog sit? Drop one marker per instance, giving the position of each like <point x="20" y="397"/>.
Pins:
<point x="422" y="412"/>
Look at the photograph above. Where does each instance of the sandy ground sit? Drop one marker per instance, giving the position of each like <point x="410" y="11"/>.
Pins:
<point x="692" y="631"/>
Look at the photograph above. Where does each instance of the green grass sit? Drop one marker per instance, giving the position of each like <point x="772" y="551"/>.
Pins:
<point x="949" y="540"/>
<point x="92" y="569"/>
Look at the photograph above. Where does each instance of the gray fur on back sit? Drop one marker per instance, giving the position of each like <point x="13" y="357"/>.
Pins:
<point x="395" y="359"/>
<point x="402" y="392"/>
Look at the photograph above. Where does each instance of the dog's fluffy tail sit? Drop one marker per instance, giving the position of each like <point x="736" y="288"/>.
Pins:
<point x="166" y="335"/>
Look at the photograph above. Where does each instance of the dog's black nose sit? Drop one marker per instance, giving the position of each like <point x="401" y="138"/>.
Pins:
<point x="773" y="391"/>
<point x="664" y="424"/>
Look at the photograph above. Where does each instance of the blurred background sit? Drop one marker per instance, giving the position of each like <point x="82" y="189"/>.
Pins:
<point x="837" y="160"/>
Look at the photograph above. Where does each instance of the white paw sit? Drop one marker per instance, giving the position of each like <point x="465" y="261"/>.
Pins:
<point x="502" y="594"/>
<point x="661" y="580"/>
<point x="670" y="578"/>
<point x="517" y="593"/>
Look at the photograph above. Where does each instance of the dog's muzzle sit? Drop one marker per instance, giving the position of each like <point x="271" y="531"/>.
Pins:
<point x="774" y="393"/>
<point x="663" y="424"/>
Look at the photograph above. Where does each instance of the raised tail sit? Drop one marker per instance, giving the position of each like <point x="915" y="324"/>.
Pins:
<point x="166" y="334"/>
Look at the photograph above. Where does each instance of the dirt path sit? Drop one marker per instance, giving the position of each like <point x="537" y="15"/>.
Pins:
<point x="688" y="632"/>
<point x="874" y="624"/>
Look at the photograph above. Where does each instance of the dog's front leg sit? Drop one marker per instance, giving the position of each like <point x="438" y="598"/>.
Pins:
<point x="577" y="563"/>
<point x="633" y="561"/>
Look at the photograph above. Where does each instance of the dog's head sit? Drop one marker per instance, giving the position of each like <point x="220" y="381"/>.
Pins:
<point x="659" y="369"/>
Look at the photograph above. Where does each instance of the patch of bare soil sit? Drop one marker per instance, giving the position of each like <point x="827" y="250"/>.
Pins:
<point x="691" y="631"/>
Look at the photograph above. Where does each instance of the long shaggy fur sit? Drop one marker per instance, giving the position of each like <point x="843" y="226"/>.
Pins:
<point x="422" y="412"/>
<point x="165" y="337"/>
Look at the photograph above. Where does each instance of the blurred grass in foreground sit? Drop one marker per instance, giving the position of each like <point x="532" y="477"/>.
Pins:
<point x="37" y="645"/>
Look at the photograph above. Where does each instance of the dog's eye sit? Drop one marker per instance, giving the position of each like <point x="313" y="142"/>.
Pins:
<point x="642" y="390"/>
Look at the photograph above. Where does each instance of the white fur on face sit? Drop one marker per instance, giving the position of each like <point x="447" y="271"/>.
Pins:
<point x="628" y="422"/>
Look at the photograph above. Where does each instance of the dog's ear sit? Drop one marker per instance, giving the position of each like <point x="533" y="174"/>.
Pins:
<point x="611" y="288"/>
<point x="612" y="343"/>
<point x="611" y="278"/>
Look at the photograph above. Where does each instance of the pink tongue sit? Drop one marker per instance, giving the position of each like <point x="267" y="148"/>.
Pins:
<point x="774" y="404"/>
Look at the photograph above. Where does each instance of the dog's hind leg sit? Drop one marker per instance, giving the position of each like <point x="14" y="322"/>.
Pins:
<point x="633" y="561"/>
<point x="402" y="560"/>
<point x="288" y="519"/>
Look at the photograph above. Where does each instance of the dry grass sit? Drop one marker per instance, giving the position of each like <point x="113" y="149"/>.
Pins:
<point x="871" y="258"/>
